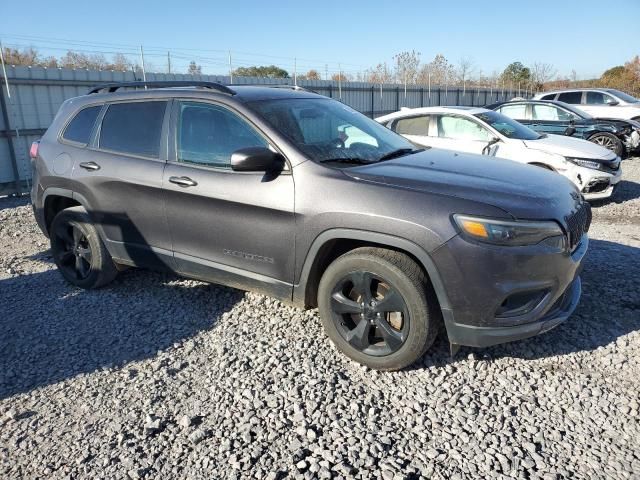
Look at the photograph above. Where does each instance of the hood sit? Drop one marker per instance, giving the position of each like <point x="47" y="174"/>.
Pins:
<point x="523" y="191"/>
<point x="570" y="147"/>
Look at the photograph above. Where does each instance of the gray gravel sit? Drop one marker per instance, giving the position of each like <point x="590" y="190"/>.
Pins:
<point x="160" y="377"/>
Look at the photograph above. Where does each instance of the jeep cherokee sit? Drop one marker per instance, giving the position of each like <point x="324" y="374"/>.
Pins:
<point x="298" y="196"/>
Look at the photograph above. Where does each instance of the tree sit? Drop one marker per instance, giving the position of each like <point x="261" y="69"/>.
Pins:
<point x="28" y="56"/>
<point x="340" y="77"/>
<point x="440" y="70"/>
<point x="121" y="63"/>
<point x="312" y="75"/>
<point x="269" y="71"/>
<point x="407" y="65"/>
<point x="465" y="70"/>
<point x="541" y="73"/>
<point x="516" y="73"/>
<point x="380" y="74"/>
<point x="79" y="60"/>
<point x="194" y="68"/>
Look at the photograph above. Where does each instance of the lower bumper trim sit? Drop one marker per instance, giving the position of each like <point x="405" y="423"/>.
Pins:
<point x="475" y="336"/>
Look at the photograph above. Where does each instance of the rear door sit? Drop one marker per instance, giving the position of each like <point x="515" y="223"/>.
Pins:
<point x="120" y="176"/>
<point x="230" y="227"/>
<point x="415" y="129"/>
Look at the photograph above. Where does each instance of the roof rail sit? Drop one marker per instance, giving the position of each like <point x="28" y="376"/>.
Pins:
<point x="273" y="85"/>
<point x="112" y="87"/>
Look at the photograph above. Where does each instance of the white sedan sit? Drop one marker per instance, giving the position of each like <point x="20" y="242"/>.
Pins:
<point x="592" y="168"/>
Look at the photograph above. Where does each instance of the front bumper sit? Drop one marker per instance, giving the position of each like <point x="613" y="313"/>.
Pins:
<point x="480" y="280"/>
<point x="475" y="336"/>
<point x="600" y="185"/>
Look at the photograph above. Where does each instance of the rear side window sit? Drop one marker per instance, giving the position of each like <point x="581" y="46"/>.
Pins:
<point x="412" y="126"/>
<point x="80" y="128"/>
<point x="549" y="97"/>
<point x="570" y="97"/>
<point x="133" y="128"/>
<point x="518" y="112"/>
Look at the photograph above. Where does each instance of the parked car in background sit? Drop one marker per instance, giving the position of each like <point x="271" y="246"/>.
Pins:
<point x="549" y="116"/>
<point x="599" y="102"/>
<point x="292" y="194"/>
<point x="592" y="168"/>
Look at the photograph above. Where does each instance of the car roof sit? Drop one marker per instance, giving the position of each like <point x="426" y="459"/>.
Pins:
<point x="581" y="89"/>
<point x="409" y="112"/>
<point x="242" y="93"/>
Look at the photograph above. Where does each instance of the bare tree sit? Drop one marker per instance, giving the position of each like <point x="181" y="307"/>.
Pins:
<point x="194" y="68"/>
<point x="541" y="73"/>
<point x="439" y="70"/>
<point x="312" y="75"/>
<point x="466" y="67"/>
<point x="380" y="74"/>
<point x="407" y="66"/>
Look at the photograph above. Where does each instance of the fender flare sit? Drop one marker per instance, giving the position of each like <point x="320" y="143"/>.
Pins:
<point x="374" y="237"/>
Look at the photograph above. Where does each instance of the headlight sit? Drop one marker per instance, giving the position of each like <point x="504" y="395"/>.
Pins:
<point x="511" y="233"/>
<point x="583" y="162"/>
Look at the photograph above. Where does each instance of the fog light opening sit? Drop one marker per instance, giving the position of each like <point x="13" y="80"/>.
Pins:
<point x="520" y="303"/>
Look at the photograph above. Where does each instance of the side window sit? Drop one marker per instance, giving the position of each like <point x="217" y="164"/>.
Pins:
<point x="412" y="126"/>
<point x="550" y="113"/>
<point x="133" y="128"/>
<point x="460" y="128"/>
<point x="517" y="112"/>
<point x="208" y="135"/>
<point x="80" y="128"/>
<point x="570" y="97"/>
<point x="599" y="98"/>
<point x="549" y="97"/>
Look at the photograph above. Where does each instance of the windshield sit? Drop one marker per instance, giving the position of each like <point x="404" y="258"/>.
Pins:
<point x="507" y="127"/>
<point x="624" y="96"/>
<point x="326" y="130"/>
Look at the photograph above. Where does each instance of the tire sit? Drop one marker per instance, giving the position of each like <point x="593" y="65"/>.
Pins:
<point x="78" y="251"/>
<point x="608" y="141"/>
<point x="372" y="335"/>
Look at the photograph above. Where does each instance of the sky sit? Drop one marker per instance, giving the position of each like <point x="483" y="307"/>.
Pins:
<point x="586" y="36"/>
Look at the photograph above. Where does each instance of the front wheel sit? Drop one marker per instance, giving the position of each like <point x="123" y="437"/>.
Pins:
<point x="377" y="307"/>
<point x="608" y="141"/>
<point x="78" y="251"/>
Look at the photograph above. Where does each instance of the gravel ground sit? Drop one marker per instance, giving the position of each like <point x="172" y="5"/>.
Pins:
<point x="160" y="377"/>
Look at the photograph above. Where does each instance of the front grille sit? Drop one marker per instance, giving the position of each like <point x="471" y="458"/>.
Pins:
<point x="578" y="224"/>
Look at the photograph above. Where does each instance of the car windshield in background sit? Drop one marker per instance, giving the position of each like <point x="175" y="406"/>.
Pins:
<point x="507" y="127"/>
<point x="328" y="131"/>
<point x="624" y="96"/>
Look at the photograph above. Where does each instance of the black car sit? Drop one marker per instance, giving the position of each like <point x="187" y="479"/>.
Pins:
<point x="292" y="194"/>
<point x="547" y="116"/>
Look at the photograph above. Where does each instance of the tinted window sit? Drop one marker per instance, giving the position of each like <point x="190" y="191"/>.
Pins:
<point x="514" y="111"/>
<point x="570" y="97"/>
<point x="599" y="98"/>
<point x="208" y="135"/>
<point x="549" y="97"/>
<point x="550" y="113"/>
<point x="461" y="128"/>
<point x="133" y="128"/>
<point x="412" y="126"/>
<point x="79" y="129"/>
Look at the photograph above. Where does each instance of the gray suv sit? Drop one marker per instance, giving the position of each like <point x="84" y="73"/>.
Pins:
<point x="292" y="194"/>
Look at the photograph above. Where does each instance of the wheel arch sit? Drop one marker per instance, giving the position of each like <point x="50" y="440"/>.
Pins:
<point x="55" y="199"/>
<point x="332" y="243"/>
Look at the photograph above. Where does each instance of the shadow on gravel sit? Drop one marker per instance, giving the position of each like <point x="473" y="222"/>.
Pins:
<point x="13" y="202"/>
<point x="609" y="308"/>
<point x="625" y="192"/>
<point x="50" y="331"/>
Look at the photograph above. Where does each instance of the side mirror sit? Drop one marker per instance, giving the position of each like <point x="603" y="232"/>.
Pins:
<point x="487" y="149"/>
<point x="570" y="131"/>
<point x="613" y="103"/>
<point x="256" y="159"/>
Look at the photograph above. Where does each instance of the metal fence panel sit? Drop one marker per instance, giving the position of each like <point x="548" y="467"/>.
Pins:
<point x="37" y="93"/>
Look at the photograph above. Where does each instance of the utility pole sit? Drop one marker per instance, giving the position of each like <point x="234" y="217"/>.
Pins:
<point x="169" y="62"/>
<point x="144" y="74"/>
<point x="326" y="71"/>
<point x="340" y="81"/>
<point x="295" y="71"/>
<point x="230" y="69"/>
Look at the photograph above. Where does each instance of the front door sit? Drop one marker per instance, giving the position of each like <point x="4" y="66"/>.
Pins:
<point x="235" y="228"/>
<point x="454" y="132"/>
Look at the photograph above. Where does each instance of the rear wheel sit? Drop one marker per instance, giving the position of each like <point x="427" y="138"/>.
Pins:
<point x="608" y="141"/>
<point x="78" y="251"/>
<point x="377" y="308"/>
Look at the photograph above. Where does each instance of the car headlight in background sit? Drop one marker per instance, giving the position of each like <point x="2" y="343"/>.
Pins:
<point x="583" y="162"/>
<point x="511" y="233"/>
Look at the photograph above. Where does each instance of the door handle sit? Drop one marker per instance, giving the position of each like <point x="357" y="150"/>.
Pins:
<point x="183" y="181"/>
<point x="90" y="166"/>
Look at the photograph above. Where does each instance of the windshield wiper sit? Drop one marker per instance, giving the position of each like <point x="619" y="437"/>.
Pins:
<point x="356" y="160"/>
<point x="399" y="153"/>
